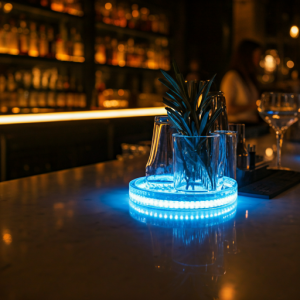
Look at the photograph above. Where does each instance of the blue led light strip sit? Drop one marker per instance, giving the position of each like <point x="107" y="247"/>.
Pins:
<point x="166" y="218"/>
<point x="141" y="200"/>
<point x="156" y="197"/>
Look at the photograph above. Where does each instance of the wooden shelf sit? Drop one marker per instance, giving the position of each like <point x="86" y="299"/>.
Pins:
<point x="10" y="59"/>
<point x="44" y="12"/>
<point x="127" y="68"/>
<point x="131" y="32"/>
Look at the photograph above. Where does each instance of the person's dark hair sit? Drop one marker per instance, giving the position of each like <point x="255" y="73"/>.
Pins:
<point x="242" y="60"/>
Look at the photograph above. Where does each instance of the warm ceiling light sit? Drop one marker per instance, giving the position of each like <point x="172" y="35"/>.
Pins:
<point x="294" y="31"/>
<point x="290" y="64"/>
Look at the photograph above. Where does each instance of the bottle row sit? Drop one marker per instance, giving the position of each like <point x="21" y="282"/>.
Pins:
<point x="40" y="80"/>
<point x="34" y="99"/>
<point x="72" y="7"/>
<point x="119" y="98"/>
<point x="40" y="88"/>
<point x="124" y="15"/>
<point x="19" y="37"/>
<point x="128" y="53"/>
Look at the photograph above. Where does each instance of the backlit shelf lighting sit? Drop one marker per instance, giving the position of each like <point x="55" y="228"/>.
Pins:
<point x="83" y="115"/>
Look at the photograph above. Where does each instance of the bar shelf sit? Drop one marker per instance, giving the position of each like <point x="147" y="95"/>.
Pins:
<point x="10" y="58"/>
<point x="44" y="12"/>
<point x="129" y="31"/>
<point x="127" y="68"/>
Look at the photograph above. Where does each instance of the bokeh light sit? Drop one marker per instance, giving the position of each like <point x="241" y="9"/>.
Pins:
<point x="294" y="31"/>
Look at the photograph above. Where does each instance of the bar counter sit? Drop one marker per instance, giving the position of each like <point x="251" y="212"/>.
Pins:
<point x="69" y="235"/>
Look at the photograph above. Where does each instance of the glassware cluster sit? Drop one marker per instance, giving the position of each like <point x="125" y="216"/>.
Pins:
<point x="186" y="175"/>
<point x="190" y="164"/>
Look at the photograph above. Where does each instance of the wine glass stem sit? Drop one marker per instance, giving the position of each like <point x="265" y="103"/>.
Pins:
<point x="279" y="138"/>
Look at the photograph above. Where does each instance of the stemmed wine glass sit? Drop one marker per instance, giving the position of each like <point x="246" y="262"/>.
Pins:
<point x="280" y="111"/>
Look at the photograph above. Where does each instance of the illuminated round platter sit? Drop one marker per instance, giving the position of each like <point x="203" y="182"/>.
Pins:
<point x="155" y="197"/>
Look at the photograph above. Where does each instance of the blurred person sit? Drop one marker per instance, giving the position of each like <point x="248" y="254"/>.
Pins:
<point x="240" y="84"/>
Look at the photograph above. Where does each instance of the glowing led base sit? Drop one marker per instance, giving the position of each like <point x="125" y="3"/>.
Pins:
<point x="143" y="195"/>
<point x="182" y="218"/>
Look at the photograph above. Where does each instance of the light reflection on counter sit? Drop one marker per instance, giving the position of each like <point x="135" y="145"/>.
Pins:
<point x="83" y="115"/>
<point x="193" y="249"/>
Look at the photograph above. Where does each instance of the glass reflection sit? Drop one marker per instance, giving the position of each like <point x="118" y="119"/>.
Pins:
<point x="190" y="246"/>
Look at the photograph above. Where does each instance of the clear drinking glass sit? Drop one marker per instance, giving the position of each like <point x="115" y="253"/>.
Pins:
<point x="195" y="162"/>
<point x="227" y="158"/>
<point x="221" y="122"/>
<point x="241" y="150"/>
<point x="159" y="168"/>
<point x="279" y="110"/>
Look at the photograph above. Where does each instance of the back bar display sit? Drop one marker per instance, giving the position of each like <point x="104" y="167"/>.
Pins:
<point x="47" y="64"/>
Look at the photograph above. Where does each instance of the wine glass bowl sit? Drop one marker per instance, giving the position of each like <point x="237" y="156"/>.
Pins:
<point x="280" y="111"/>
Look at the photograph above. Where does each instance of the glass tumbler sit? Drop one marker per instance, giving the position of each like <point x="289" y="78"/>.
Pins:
<point x="159" y="168"/>
<point x="195" y="162"/>
<point x="227" y="159"/>
<point x="241" y="150"/>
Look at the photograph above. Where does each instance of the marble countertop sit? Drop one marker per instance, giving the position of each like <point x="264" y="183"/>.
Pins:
<point x="69" y="235"/>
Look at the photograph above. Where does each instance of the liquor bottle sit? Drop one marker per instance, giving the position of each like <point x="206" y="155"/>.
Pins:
<point x="106" y="12"/>
<point x="99" y="87"/>
<point x="38" y="84"/>
<point x="12" y="92"/>
<point x="100" y="52"/>
<point x="59" y="47"/>
<point x="22" y="93"/>
<point x="61" y="99"/>
<point x="33" y="41"/>
<point x="121" y="57"/>
<point x="66" y="88"/>
<point x="63" y="43"/>
<point x="155" y="23"/>
<point x="130" y="53"/>
<point x="51" y="43"/>
<point x="145" y="25"/>
<point x="51" y="100"/>
<point x="70" y="96"/>
<point x="2" y="39"/>
<point x="3" y="94"/>
<point x="13" y="47"/>
<point x="70" y="44"/>
<point x="78" y="52"/>
<point x="115" y="17"/>
<point x="36" y="78"/>
<point x="98" y="11"/>
<point x="128" y="15"/>
<point x="6" y="38"/>
<point x="114" y="46"/>
<point x="122" y="17"/>
<point x="108" y="50"/>
<point x="135" y="21"/>
<point x="43" y="42"/>
<point x="23" y="38"/>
